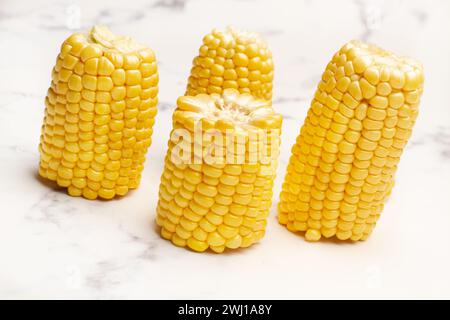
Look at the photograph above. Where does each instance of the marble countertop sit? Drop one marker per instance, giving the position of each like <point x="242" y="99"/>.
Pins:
<point x="55" y="246"/>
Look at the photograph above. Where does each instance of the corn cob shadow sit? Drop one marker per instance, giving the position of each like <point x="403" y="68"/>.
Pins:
<point x="53" y="185"/>
<point x="47" y="183"/>
<point x="343" y="164"/>
<point x="332" y="241"/>
<point x="99" y="114"/>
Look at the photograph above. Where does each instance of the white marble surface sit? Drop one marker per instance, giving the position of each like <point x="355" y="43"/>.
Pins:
<point x="54" y="246"/>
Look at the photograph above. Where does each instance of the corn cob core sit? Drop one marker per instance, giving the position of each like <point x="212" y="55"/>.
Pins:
<point x="99" y="114"/>
<point x="232" y="59"/>
<point x="343" y="164"/>
<point x="222" y="202"/>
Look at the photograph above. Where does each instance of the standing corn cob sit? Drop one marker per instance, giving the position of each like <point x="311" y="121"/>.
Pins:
<point x="218" y="196"/>
<point x="343" y="165"/>
<point x="232" y="59"/>
<point x="99" y="114"/>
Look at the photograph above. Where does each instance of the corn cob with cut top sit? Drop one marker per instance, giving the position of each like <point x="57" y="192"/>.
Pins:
<point x="232" y="59"/>
<point x="219" y="196"/>
<point x="343" y="164"/>
<point x="99" y="114"/>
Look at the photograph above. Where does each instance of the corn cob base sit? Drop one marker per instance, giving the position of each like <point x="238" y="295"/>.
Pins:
<point x="217" y="204"/>
<point x="99" y="115"/>
<point x="232" y="59"/>
<point x="343" y="165"/>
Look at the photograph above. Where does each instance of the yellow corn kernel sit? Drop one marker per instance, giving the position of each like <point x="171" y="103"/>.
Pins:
<point x="341" y="171"/>
<point x="95" y="140"/>
<point x="219" y="200"/>
<point x="232" y="59"/>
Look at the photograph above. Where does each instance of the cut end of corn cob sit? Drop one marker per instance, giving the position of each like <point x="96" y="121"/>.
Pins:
<point x="343" y="164"/>
<point x="232" y="59"/>
<point x="218" y="203"/>
<point x="229" y="110"/>
<point x="101" y="35"/>
<point x="99" y="114"/>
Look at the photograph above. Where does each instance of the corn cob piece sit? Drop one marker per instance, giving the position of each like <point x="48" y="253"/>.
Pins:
<point x="99" y="114"/>
<point x="232" y="59"/>
<point x="217" y="195"/>
<point x="343" y="164"/>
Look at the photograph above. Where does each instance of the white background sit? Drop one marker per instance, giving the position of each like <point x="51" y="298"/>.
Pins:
<point x="55" y="246"/>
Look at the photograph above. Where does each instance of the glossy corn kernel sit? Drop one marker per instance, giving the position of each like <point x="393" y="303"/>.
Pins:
<point x="232" y="59"/>
<point x="217" y="193"/>
<point x="343" y="165"/>
<point x="99" y="114"/>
